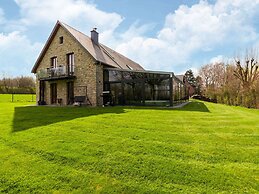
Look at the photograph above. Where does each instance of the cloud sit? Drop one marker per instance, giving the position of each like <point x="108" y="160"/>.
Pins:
<point x="135" y="30"/>
<point x="17" y="53"/>
<point x="191" y="31"/>
<point x="217" y="59"/>
<point x="76" y="12"/>
<point x="191" y="35"/>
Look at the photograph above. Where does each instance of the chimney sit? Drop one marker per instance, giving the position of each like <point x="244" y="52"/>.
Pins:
<point x="94" y="36"/>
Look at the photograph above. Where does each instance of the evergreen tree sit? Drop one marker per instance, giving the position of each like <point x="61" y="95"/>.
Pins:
<point x="189" y="77"/>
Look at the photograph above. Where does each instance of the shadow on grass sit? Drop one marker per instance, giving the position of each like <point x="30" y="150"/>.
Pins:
<point x="195" y="106"/>
<point x="36" y="116"/>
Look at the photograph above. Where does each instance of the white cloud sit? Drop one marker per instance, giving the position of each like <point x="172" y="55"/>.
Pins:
<point x="187" y="32"/>
<point x="217" y="59"/>
<point x="200" y="28"/>
<point x="113" y="38"/>
<point x="145" y="51"/>
<point x="136" y="30"/>
<point x="76" y="12"/>
<point x="227" y="6"/>
<point x="17" y="53"/>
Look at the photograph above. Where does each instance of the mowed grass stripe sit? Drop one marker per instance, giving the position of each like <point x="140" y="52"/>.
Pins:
<point x="130" y="149"/>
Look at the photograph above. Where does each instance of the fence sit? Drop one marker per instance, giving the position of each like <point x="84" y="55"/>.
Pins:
<point x="17" y="98"/>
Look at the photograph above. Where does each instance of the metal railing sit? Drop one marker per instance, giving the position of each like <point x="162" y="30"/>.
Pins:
<point x="54" y="72"/>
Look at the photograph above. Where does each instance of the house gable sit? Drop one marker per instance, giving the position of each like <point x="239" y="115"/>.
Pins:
<point x="89" y="60"/>
<point x="58" y="32"/>
<point x="99" y="52"/>
<point x="54" y="48"/>
<point x="85" y="67"/>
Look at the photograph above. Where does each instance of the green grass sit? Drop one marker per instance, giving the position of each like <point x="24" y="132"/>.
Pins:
<point x="17" y="97"/>
<point x="201" y="148"/>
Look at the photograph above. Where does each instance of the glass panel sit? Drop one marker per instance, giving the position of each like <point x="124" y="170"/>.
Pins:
<point x="71" y="63"/>
<point x="54" y="62"/>
<point x="137" y="88"/>
<point x="115" y="76"/>
<point x="133" y="93"/>
<point x="116" y="93"/>
<point x="105" y="76"/>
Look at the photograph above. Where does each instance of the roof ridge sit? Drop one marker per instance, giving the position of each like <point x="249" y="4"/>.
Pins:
<point x="99" y="52"/>
<point x="103" y="47"/>
<point x="62" y="23"/>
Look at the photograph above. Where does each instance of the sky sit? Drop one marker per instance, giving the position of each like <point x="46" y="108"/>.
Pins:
<point x="165" y="35"/>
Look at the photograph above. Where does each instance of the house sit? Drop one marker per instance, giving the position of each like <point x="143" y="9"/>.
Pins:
<point x="73" y="67"/>
<point x="190" y="90"/>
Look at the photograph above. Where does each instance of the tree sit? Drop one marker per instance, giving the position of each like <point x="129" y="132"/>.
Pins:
<point x="189" y="77"/>
<point x="213" y="77"/>
<point x="23" y="84"/>
<point x="26" y="81"/>
<point x="236" y="83"/>
<point x="7" y="84"/>
<point x="247" y="73"/>
<point x="198" y="85"/>
<point x="206" y="73"/>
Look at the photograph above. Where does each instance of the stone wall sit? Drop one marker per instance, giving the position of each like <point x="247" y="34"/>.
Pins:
<point x="89" y="74"/>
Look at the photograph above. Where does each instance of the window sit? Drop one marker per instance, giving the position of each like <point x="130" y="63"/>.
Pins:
<point x="61" y="39"/>
<point x="54" y="62"/>
<point x="70" y="63"/>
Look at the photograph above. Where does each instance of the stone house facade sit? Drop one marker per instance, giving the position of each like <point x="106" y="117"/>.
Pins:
<point x="71" y="65"/>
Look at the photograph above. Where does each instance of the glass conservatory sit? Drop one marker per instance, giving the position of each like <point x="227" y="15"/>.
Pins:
<point x="127" y="87"/>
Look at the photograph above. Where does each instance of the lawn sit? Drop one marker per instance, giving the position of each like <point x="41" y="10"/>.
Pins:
<point x="201" y="148"/>
<point x="17" y="97"/>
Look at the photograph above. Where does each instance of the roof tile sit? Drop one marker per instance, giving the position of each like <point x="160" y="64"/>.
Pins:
<point x="99" y="51"/>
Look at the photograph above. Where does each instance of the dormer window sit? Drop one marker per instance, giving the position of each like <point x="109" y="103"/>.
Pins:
<point x="61" y="39"/>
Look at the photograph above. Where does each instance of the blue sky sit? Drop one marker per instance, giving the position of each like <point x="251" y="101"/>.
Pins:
<point x="167" y="35"/>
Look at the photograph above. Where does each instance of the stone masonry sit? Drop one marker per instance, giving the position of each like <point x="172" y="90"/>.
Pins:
<point x="88" y="72"/>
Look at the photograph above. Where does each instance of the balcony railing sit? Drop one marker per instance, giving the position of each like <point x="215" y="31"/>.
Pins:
<point x="55" y="73"/>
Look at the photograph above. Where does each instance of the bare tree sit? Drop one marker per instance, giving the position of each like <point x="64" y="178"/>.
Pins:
<point x="236" y="83"/>
<point x="23" y="84"/>
<point x="247" y="73"/>
<point x="213" y="75"/>
<point x="6" y="84"/>
<point x="26" y="81"/>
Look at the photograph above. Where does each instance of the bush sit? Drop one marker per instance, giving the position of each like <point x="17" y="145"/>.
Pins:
<point x="204" y="98"/>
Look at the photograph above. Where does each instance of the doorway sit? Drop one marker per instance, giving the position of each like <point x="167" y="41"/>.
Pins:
<point x="70" y="93"/>
<point x="53" y="93"/>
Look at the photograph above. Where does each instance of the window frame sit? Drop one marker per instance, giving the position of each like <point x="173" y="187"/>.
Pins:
<point x="54" y="62"/>
<point x="61" y="40"/>
<point x="71" y="63"/>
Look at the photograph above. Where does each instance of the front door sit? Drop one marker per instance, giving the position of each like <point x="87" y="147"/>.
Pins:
<point x="70" y="92"/>
<point x="53" y="93"/>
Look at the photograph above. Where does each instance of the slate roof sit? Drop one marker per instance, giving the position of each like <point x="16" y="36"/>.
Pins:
<point x="99" y="51"/>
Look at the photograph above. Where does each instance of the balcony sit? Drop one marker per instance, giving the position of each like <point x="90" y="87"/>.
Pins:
<point x="60" y="72"/>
